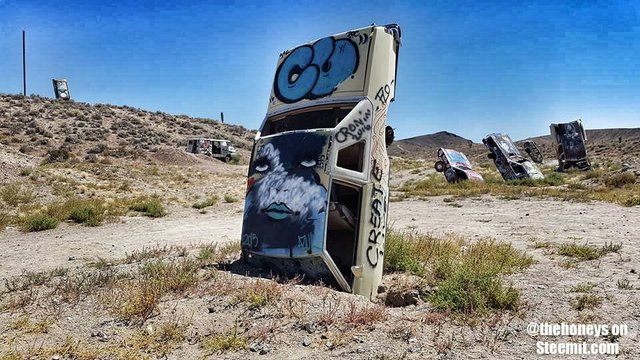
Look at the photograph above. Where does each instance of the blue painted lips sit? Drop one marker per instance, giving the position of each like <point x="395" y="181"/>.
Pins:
<point x="277" y="211"/>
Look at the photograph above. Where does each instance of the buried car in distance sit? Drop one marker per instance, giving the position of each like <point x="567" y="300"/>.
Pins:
<point x="571" y="149"/>
<point x="510" y="163"/>
<point x="318" y="181"/>
<point x="455" y="166"/>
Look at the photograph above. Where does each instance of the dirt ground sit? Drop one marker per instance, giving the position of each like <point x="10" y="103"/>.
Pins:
<point x="545" y="286"/>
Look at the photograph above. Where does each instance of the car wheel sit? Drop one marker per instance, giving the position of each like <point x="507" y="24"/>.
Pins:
<point x="439" y="166"/>
<point x="227" y="158"/>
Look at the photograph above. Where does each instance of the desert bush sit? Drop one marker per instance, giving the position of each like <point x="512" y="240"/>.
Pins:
<point x="209" y="201"/>
<point x="587" y="301"/>
<point x="58" y="155"/>
<point x="466" y="275"/>
<point x="230" y="199"/>
<point x="151" y="207"/>
<point x="13" y="194"/>
<point x="88" y="214"/>
<point x="39" y="222"/>
<point x="620" y="179"/>
<point x="586" y="251"/>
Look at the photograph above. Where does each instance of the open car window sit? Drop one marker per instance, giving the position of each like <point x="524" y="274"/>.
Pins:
<point x="324" y="117"/>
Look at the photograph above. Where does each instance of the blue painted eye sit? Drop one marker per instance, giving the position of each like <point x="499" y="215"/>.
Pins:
<point x="262" y="168"/>
<point x="308" y="163"/>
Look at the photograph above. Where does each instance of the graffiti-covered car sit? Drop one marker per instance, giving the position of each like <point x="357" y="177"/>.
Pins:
<point x="455" y="166"/>
<point x="571" y="149"/>
<point x="217" y="148"/>
<point x="317" y="188"/>
<point x="510" y="163"/>
<point x="532" y="149"/>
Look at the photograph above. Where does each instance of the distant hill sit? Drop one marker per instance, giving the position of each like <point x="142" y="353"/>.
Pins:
<point x="426" y="146"/>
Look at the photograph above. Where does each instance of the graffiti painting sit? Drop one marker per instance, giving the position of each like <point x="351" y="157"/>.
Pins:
<point x="508" y="160"/>
<point x="570" y="145"/>
<point x="455" y="166"/>
<point x="310" y="72"/>
<point x="286" y="203"/>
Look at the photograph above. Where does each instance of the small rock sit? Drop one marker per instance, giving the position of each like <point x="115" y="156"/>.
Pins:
<point x="255" y="346"/>
<point x="306" y="341"/>
<point x="382" y="289"/>
<point x="413" y="219"/>
<point x="412" y="340"/>
<point x="541" y="286"/>
<point x="72" y="258"/>
<point x="55" y="357"/>
<point x="329" y="344"/>
<point x="633" y="271"/>
<point x="527" y="214"/>
<point x="310" y="327"/>
<point x="211" y="310"/>
<point x="323" y="337"/>
<point x="149" y="329"/>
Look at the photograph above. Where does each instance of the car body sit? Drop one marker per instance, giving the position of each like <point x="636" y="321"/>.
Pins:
<point x="455" y="166"/>
<point x="317" y="187"/>
<point x="61" y="89"/>
<point x="510" y="163"/>
<point x="532" y="149"/>
<point x="217" y="148"/>
<point x="570" y="143"/>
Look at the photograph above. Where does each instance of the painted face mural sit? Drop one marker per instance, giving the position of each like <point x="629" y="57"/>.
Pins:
<point x="286" y="201"/>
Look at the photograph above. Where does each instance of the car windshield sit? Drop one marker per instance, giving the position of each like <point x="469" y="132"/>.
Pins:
<point x="458" y="159"/>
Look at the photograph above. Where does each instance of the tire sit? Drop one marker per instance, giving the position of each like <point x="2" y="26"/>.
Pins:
<point x="227" y="158"/>
<point x="439" y="166"/>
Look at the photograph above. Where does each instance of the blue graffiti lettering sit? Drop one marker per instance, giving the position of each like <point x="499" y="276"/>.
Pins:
<point x="315" y="71"/>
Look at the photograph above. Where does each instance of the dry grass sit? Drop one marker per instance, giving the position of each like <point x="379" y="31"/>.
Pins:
<point x="467" y="275"/>
<point x="615" y="188"/>
<point x="258" y="293"/>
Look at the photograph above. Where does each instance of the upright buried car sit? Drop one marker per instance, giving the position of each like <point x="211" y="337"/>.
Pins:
<point x="317" y="188"/>
<point x="569" y="139"/>
<point x="508" y="160"/>
<point x="455" y="166"/>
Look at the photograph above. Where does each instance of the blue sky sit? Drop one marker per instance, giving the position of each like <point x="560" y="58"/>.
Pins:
<point x="468" y="67"/>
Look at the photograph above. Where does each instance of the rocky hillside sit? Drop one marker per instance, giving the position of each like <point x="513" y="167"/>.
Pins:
<point x="40" y="126"/>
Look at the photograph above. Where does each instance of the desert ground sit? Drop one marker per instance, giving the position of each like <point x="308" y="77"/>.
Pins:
<point x="152" y="271"/>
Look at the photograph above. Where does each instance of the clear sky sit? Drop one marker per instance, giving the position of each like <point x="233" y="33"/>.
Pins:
<point x="467" y="67"/>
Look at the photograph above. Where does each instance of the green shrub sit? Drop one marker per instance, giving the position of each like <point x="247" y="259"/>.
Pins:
<point x="210" y="201"/>
<point x="39" y="222"/>
<point x="619" y="180"/>
<point x="466" y="274"/>
<point x="149" y="207"/>
<point x="230" y="199"/>
<point x="89" y="215"/>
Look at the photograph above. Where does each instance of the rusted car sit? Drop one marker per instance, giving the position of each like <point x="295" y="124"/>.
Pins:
<point x="532" y="149"/>
<point x="510" y="163"/>
<point x="318" y="181"/>
<point x="455" y="166"/>
<point x="571" y="149"/>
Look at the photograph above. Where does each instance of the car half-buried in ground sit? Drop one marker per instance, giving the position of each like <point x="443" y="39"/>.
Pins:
<point x="510" y="163"/>
<point x="455" y="166"/>
<point x="318" y="181"/>
<point x="571" y="149"/>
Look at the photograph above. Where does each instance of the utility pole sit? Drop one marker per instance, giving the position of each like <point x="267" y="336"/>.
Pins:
<point x="24" y="66"/>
